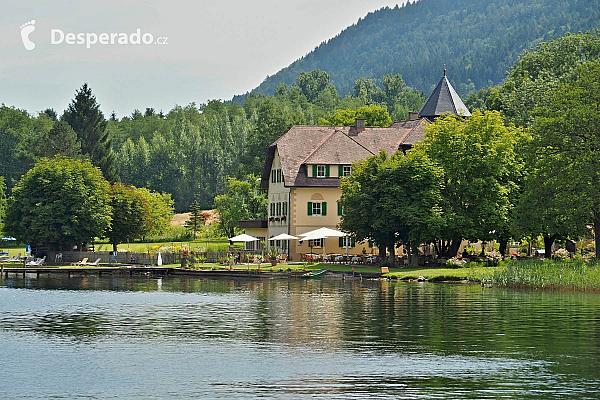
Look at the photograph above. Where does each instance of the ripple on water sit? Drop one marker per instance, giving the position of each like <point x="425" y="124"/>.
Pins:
<point x="186" y="338"/>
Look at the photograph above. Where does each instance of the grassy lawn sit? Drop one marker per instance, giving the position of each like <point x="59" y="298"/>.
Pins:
<point x="215" y="244"/>
<point x="474" y="273"/>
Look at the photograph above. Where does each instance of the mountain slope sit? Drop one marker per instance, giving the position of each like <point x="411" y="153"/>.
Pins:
<point x="478" y="40"/>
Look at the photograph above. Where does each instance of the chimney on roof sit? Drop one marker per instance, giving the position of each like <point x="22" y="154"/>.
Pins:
<point x="359" y="123"/>
<point x="413" y="116"/>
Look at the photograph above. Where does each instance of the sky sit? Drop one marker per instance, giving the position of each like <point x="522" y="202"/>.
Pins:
<point x="213" y="49"/>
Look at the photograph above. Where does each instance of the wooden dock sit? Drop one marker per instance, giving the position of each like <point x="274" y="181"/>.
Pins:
<point x="142" y="270"/>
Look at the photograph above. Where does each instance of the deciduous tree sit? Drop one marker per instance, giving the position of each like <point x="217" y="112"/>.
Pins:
<point x="567" y="150"/>
<point x="242" y="200"/>
<point x="480" y="172"/>
<point x="60" y="202"/>
<point x="129" y="214"/>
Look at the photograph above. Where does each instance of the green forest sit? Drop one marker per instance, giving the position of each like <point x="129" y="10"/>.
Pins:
<point x="189" y="152"/>
<point x="477" y="40"/>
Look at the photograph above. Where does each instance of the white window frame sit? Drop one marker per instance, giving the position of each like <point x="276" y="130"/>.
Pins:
<point x="316" y="243"/>
<point x="321" y="171"/>
<point x="349" y="169"/>
<point x="319" y="206"/>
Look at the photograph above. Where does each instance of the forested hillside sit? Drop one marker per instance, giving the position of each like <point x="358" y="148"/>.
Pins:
<point x="478" y="40"/>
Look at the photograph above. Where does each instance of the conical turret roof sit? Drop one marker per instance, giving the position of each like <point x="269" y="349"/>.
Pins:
<point x="444" y="99"/>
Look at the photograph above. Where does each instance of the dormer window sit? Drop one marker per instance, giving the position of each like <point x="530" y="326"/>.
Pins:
<point x="321" y="171"/>
<point x="346" y="170"/>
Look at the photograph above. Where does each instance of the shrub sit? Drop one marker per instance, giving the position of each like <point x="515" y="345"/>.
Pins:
<point x="493" y="258"/>
<point x="561" y="254"/>
<point x="455" y="262"/>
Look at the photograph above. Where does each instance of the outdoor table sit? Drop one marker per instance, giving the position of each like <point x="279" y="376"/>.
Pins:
<point x="355" y="259"/>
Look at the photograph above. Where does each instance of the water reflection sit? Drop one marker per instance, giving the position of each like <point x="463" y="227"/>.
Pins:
<point x="313" y="338"/>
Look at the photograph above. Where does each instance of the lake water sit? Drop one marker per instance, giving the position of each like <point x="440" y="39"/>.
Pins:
<point x="128" y="337"/>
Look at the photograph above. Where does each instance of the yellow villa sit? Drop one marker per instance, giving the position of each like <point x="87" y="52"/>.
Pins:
<point x="303" y="169"/>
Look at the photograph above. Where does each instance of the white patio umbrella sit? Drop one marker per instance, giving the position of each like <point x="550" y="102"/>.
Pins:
<point x="8" y="240"/>
<point x="159" y="259"/>
<point x="327" y="232"/>
<point x="242" y="238"/>
<point x="314" y="236"/>
<point x="283" y="236"/>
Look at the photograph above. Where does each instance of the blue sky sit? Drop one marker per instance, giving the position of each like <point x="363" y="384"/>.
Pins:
<point x="215" y="49"/>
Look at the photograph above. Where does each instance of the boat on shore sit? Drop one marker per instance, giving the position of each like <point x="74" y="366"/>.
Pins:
<point x="314" y="274"/>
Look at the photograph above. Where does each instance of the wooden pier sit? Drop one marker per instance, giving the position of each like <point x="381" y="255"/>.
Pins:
<point x="142" y="270"/>
<point x="128" y="270"/>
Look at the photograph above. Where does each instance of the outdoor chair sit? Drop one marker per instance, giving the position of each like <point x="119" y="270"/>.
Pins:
<point x="94" y="264"/>
<point x="82" y="262"/>
<point x="37" y="262"/>
<point x="16" y="258"/>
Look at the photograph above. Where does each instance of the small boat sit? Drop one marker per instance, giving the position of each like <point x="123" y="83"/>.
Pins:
<point x="314" y="274"/>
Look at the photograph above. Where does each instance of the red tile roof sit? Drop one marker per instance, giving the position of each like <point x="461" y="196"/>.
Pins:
<point x="305" y="145"/>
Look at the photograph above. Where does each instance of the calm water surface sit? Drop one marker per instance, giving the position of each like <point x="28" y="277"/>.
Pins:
<point x="122" y="338"/>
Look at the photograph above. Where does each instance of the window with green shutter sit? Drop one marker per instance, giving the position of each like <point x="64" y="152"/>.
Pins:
<point x="272" y="176"/>
<point x="285" y="208"/>
<point x="272" y="209"/>
<point x="322" y="171"/>
<point x="278" y="208"/>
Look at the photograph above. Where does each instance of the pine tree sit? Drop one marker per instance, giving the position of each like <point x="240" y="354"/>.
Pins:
<point x="86" y="119"/>
<point x="196" y="217"/>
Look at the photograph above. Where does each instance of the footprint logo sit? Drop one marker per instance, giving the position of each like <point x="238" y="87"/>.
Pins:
<point x="26" y="29"/>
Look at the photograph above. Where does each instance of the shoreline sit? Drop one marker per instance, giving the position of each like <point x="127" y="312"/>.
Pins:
<point x="486" y="276"/>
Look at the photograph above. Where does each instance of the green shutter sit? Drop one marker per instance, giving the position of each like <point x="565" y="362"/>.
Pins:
<point x="310" y="208"/>
<point x="340" y="170"/>
<point x="327" y="171"/>
<point x="352" y="242"/>
<point x="339" y="208"/>
<point x="324" y="208"/>
<point x="314" y="171"/>
<point x="341" y="241"/>
<point x="369" y="243"/>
